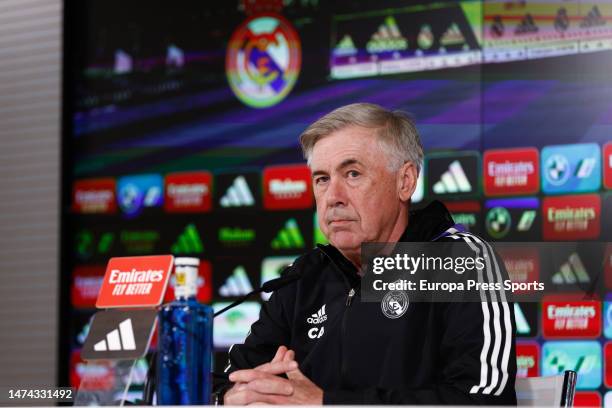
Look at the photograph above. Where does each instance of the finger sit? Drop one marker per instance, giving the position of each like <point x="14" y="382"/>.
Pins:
<point x="240" y="386"/>
<point x="280" y="367"/>
<point x="250" y="397"/>
<point x="271" y="385"/>
<point x="295" y="374"/>
<point x="253" y="374"/>
<point x="280" y="354"/>
<point x="289" y="355"/>
<point x="244" y="397"/>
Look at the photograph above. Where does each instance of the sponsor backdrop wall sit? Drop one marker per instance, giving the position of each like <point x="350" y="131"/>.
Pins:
<point x="183" y="139"/>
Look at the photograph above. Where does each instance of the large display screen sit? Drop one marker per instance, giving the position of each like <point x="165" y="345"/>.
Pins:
<point x="183" y="124"/>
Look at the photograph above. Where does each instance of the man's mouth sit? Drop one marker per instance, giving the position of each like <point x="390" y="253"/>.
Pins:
<point x="339" y="222"/>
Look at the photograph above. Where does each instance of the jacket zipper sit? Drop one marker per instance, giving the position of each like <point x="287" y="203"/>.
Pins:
<point x="349" y="301"/>
<point x="349" y="298"/>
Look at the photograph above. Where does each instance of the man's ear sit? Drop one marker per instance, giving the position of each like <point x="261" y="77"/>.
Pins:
<point x="406" y="182"/>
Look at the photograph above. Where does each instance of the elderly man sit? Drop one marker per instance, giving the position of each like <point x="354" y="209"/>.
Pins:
<point x="316" y="342"/>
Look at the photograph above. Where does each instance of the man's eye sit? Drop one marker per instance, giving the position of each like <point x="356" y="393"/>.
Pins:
<point x="320" y="180"/>
<point x="353" y="173"/>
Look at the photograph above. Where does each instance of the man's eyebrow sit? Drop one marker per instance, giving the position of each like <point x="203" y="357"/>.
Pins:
<point x="318" y="173"/>
<point x="348" y="162"/>
<point x="345" y="163"/>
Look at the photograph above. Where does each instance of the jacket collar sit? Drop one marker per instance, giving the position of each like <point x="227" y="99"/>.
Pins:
<point x="427" y="223"/>
<point x="423" y="226"/>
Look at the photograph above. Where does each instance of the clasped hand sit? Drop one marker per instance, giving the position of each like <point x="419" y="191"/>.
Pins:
<point x="263" y="385"/>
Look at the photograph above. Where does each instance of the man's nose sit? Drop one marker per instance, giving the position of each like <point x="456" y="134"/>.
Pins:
<point x="336" y="193"/>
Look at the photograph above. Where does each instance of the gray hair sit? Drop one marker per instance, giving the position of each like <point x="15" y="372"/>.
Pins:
<point x="396" y="131"/>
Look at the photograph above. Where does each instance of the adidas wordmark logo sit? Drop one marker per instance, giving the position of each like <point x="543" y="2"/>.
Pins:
<point x="118" y="339"/>
<point x="453" y="180"/>
<point x="319" y="317"/>
<point x="237" y="284"/>
<point x="238" y="194"/>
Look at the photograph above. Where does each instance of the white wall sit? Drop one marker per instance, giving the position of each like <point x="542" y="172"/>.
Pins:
<point x="30" y="83"/>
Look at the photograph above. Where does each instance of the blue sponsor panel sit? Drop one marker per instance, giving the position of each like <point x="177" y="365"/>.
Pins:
<point x="584" y="357"/>
<point x="134" y="193"/>
<point x="607" y="317"/>
<point x="571" y="168"/>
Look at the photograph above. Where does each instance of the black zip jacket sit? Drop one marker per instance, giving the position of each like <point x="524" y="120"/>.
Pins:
<point x="436" y="353"/>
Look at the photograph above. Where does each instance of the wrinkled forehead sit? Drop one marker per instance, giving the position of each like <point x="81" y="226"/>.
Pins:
<point x="351" y="145"/>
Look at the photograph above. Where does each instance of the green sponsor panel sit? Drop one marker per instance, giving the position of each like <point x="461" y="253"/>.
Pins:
<point x="236" y="236"/>
<point x="139" y="242"/>
<point x="288" y="237"/>
<point x="188" y="242"/>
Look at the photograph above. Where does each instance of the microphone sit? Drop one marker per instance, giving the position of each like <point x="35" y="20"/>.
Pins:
<point x="269" y="286"/>
<point x="275" y="284"/>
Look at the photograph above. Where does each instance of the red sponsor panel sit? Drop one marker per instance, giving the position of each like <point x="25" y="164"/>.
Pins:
<point x="607" y="165"/>
<point x="462" y="206"/>
<point x="94" y="196"/>
<point x="527" y="359"/>
<point x="135" y="281"/>
<point x="511" y="171"/>
<point x="522" y="263"/>
<point x="568" y="318"/>
<point x="188" y="192"/>
<point x="287" y="187"/>
<point x="571" y="217"/>
<point x="86" y="284"/>
<point x="608" y="265"/>
<point x="587" y="399"/>
<point x="205" y="289"/>
<point x="608" y="364"/>
<point x="99" y="374"/>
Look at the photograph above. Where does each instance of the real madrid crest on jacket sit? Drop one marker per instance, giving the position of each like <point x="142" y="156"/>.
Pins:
<point x="392" y="352"/>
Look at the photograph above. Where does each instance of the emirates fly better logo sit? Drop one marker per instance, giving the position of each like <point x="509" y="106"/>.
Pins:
<point x="135" y="281"/>
<point x="94" y="196"/>
<point x="512" y="171"/>
<point x="569" y="319"/>
<point x="188" y="192"/>
<point x="571" y="217"/>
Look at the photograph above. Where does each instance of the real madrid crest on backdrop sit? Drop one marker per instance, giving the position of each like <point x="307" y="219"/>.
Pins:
<point x="263" y="55"/>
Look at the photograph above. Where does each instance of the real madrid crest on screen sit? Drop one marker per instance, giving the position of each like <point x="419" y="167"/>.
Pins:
<point x="263" y="56"/>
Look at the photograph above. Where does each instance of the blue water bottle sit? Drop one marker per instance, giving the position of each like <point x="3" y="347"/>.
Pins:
<point x="185" y="342"/>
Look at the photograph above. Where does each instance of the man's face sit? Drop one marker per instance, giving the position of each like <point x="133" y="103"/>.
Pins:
<point x="357" y="196"/>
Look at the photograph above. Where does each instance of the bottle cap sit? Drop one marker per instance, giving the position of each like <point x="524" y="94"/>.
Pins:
<point x="186" y="274"/>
